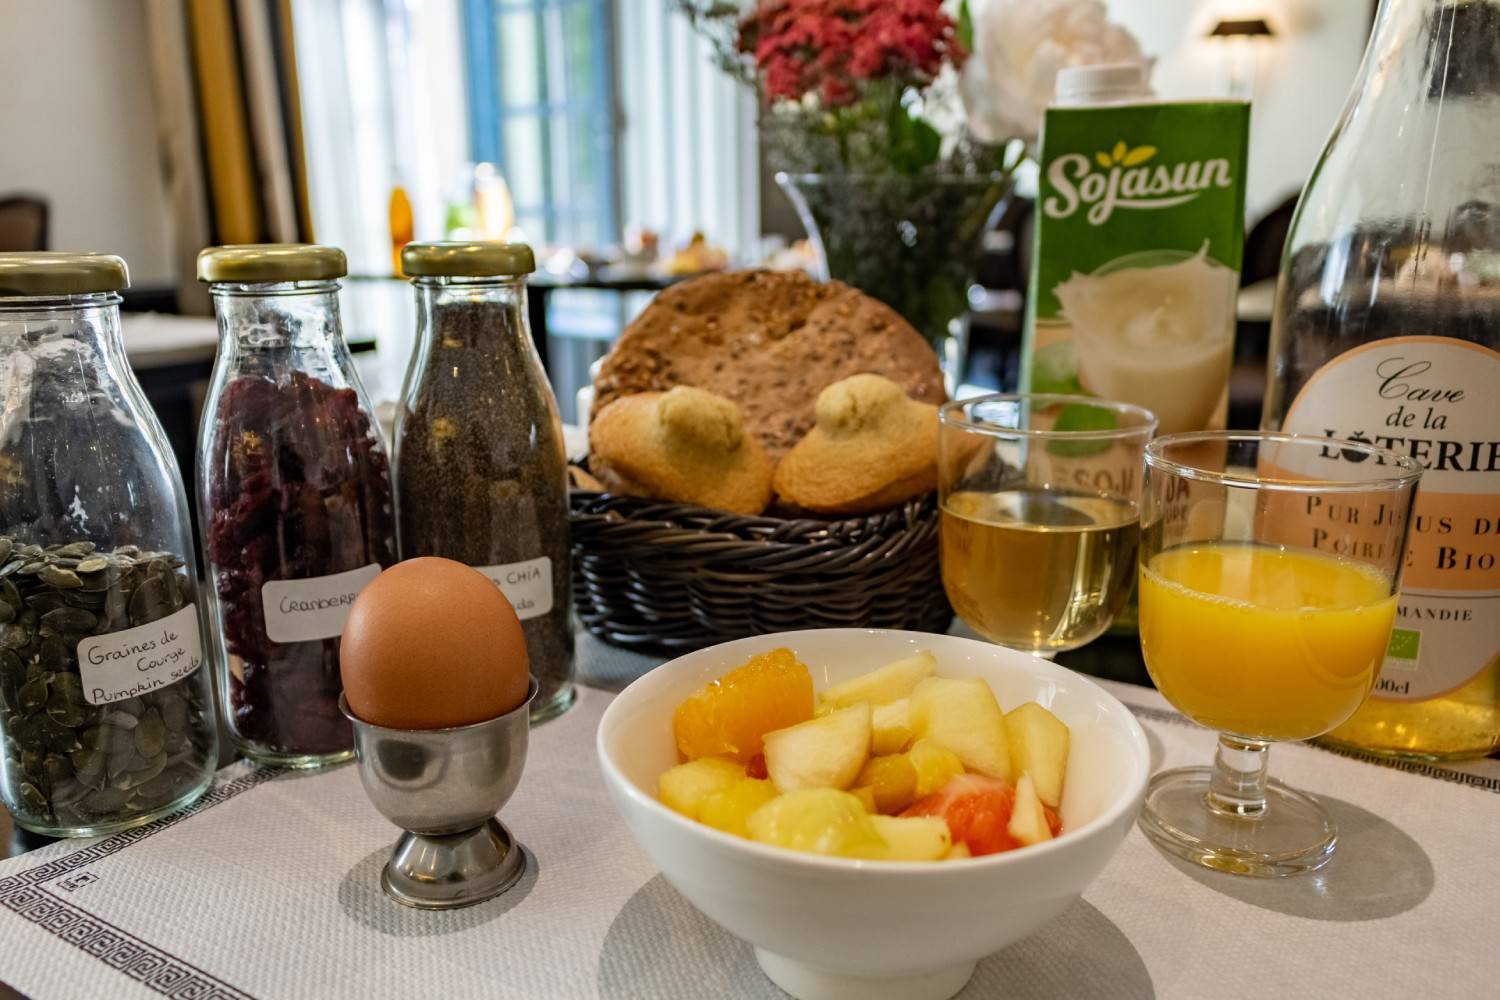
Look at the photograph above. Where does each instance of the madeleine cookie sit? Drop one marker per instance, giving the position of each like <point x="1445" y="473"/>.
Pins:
<point x="770" y="341"/>
<point x="687" y="445"/>
<point x="872" y="448"/>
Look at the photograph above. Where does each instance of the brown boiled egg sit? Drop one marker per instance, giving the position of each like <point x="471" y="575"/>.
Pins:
<point x="430" y="644"/>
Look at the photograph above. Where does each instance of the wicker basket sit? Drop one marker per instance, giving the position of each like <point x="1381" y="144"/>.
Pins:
<point x="672" y="577"/>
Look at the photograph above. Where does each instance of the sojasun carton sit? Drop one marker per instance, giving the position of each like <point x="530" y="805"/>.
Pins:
<point x="1139" y="236"/>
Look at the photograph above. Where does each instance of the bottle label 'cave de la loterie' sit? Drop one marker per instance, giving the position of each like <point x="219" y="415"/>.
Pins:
<point x="1431" y="398"/>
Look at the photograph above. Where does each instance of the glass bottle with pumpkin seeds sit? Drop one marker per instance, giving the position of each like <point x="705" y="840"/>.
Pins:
<point x="106" y="720"/>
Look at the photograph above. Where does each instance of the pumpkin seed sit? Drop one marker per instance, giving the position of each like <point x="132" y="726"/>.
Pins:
<point x="62" y="579"/>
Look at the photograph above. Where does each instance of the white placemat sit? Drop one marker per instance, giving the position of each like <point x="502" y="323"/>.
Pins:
<point x="269" y="890"/>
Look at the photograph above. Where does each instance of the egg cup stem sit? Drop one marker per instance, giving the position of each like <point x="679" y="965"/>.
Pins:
<point x="452" y="870"/>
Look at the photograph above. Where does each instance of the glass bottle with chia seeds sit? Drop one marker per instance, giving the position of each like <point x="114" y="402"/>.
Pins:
<point x="481" y="471"/>
<point x="294" y="497"/>
<point x="106" y="722"/>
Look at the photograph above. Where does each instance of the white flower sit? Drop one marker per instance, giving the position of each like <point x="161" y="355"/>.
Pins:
<point x="1019" y="47"/>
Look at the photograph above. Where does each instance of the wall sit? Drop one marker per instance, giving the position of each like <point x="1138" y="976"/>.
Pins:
<point x="1303" y="75"/>
<point x="77" y="126"/>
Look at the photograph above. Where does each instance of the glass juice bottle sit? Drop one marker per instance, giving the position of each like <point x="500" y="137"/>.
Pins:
<point x="1387" y="329"/>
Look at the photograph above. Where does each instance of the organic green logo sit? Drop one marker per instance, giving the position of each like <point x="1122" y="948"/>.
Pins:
<point x="1405" y="643"/>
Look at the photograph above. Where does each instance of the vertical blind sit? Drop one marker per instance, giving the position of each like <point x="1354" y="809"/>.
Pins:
<point x="688" y="155"/>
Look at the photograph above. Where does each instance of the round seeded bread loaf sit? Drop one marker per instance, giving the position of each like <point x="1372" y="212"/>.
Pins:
<point x="771" y="341"/>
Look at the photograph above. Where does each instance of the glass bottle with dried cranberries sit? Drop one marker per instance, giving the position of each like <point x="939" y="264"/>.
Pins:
<point x="295" y="498"/>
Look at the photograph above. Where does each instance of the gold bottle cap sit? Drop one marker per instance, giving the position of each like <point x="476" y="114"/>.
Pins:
<point x="61" y="273"/>
<point x="475" y="259"/>
<point x="253" y="263"/>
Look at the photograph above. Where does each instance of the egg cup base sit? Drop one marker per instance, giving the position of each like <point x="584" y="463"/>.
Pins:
<point x="808" y="982"/>
<point x="442" y="872"/>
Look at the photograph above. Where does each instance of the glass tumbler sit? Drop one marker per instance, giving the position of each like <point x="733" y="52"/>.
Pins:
<point x="1039" y="520"/>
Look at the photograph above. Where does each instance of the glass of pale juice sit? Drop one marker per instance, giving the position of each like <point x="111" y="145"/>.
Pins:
<point x="1269" y="571"/>
<point x="1040" y="515"/>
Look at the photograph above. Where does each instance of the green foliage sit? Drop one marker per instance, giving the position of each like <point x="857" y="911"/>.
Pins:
<point x="966" y="26"/>
<point x="914" y="144"/>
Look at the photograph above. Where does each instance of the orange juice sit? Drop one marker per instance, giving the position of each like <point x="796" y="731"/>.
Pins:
<point x="1262" y="642"/>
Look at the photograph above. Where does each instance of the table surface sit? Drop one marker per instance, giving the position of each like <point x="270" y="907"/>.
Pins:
<point x="157" y="340"/>
<point x="1407" y="907"/>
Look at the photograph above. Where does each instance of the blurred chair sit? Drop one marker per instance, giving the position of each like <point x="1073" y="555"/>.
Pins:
<point x="997" y="299"/>
<point x="23" y="223"/>
<point x="1247" y="378"/>
<point x="1265" y="241"/>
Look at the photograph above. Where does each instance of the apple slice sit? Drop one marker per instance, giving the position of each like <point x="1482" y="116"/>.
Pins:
<point x="963" y="716"/>
<point x="686" y="787"/>
<point x="883" y="685"/>
<point x="919" y="838"/>
<point x="825" y="752"/>
<point x="1039" y="747"/>
<point x="892" y="727"/>
<point x="1028" y="821"/>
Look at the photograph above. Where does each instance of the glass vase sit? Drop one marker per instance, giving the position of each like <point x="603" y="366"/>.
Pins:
<point x="911" y="242"/>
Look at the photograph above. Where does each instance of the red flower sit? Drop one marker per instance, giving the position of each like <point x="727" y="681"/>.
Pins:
<point x="829" y="47"/>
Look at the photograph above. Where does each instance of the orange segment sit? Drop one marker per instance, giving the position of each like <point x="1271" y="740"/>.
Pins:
<point x="731" y="715"/>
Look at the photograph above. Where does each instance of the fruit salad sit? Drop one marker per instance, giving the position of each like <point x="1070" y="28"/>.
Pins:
<point x="899" y="764"/>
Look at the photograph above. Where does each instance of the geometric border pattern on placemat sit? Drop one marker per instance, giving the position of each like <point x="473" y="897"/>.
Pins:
<point x="1424" y="768"/>
<point x="127" y="954"/>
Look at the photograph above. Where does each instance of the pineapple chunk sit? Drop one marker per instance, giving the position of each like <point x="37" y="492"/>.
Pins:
<point x="883" y="685"/>
<point x="817" y="820"/>
<point x="820" y="753"/>
<point x="917" y="838"/>
<point x="686" y="787"/>
<point x="963" y="716"/>
<point x="891" y="781"/>
<point x="1028" y="823"/>
<point x="891" y="727"/>
<point x="1039" y="747"/>
<point x="934" y="765"/>
<point x="728" y="810"/>
<point x="866" y="798"/>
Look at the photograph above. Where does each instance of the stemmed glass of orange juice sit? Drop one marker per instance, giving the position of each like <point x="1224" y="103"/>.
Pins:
<point x="1269" y="568"/>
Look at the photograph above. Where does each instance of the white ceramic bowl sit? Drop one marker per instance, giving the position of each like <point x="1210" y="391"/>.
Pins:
<point x="836" y="929"/>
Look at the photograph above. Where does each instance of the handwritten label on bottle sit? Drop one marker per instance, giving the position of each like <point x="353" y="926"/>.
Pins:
<point x="134" y="661"/>
<point x="314" y="608"/>
<point x="527" y="585"/>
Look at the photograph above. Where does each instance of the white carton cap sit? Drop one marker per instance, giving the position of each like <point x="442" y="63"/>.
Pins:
<point x="1079" y="86"/>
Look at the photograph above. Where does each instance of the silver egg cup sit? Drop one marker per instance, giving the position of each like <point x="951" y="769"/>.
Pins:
<point x="443" y="787"/>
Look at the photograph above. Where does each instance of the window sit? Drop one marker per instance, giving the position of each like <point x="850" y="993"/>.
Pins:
<point x="541" y="107"/>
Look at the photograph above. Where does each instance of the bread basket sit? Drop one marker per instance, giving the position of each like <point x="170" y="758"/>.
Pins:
<point x="670" y="577"/>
